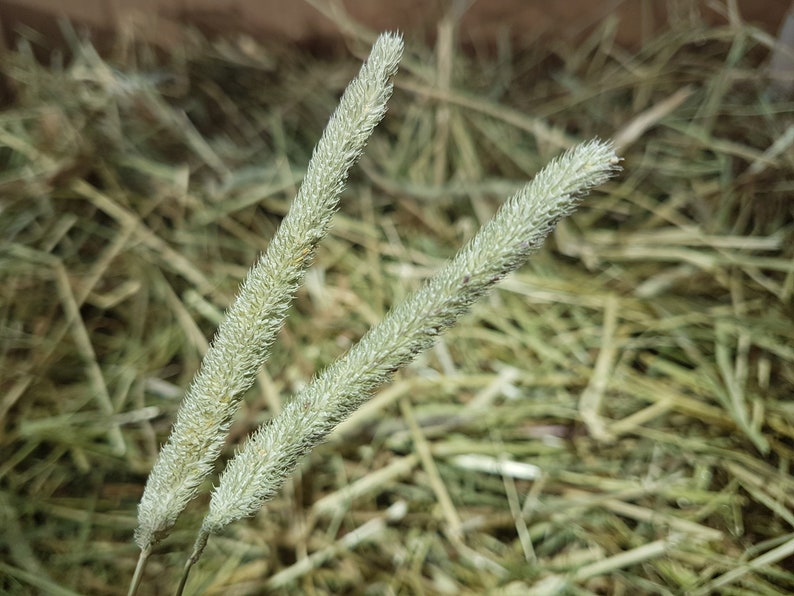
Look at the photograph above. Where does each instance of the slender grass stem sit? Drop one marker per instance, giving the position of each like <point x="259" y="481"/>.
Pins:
<point x="143" y="557"/>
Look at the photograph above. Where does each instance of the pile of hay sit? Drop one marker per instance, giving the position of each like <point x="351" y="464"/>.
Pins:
<point x="615" y="418"/>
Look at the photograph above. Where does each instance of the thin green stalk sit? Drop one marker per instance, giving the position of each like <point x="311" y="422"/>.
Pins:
<point x="138" y="575"/>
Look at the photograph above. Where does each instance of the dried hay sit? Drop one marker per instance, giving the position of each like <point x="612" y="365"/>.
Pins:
<point x="615" y="418"/>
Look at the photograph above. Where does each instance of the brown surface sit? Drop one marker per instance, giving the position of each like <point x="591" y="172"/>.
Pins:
<point x="298" y="21"/>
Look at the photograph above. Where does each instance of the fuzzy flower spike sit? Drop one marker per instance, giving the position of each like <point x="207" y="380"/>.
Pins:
<point x="519" y="228"/>
<point x="244" y="338"/>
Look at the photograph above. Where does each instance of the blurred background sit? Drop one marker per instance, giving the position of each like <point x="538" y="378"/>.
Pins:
<point x="479" y="24"/>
